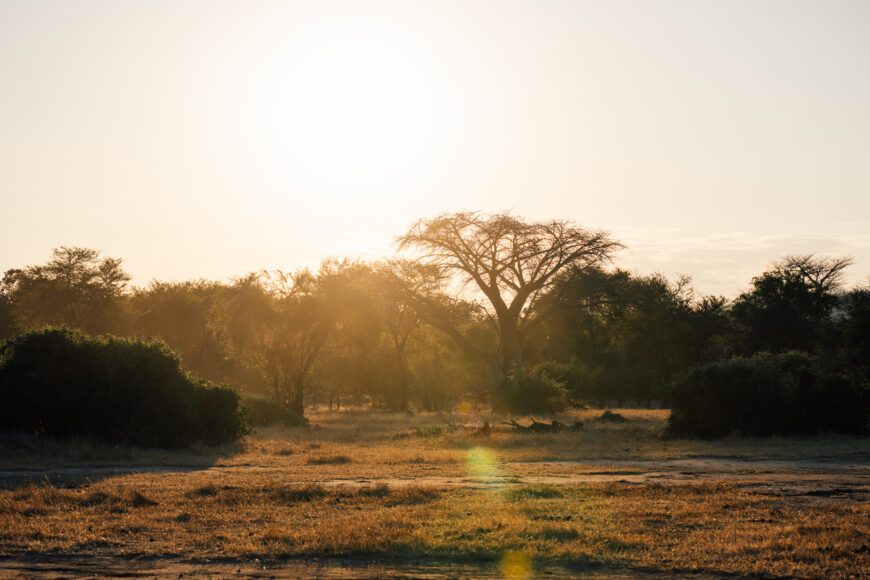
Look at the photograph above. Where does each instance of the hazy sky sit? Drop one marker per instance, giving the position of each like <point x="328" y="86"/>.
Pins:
<point x="207" y="139"/>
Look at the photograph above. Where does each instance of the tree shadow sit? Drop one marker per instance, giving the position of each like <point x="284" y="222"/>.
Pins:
<point x="28" y="460"/>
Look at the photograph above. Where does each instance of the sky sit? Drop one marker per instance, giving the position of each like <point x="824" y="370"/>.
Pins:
<point x="212" y="138"/>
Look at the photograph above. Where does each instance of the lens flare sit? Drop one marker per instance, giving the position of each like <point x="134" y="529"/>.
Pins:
<point x="516" y="565"/>
<point x="482" y="463"/>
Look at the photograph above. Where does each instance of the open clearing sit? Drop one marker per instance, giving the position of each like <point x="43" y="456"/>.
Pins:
<point x="370" y="494"/>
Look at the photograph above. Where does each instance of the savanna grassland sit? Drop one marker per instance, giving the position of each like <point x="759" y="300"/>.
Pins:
<point x="434" y="490"/>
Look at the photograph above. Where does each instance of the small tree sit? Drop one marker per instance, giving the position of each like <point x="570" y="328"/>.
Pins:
<point x="279" y="323"/>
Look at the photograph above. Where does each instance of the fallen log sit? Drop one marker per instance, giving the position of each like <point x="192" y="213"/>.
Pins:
<point x="543" y="427"/>
<point x="452" y="426"/>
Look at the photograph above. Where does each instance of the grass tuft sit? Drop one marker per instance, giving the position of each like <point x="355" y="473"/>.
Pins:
<point x="291" y="495"/>
<point x="329" y="460"/>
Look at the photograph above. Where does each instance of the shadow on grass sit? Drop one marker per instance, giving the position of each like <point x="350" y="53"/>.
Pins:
<point x="28" y="459"/>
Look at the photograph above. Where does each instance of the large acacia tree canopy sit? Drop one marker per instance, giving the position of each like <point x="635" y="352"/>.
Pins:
<point x="513" y="262"/>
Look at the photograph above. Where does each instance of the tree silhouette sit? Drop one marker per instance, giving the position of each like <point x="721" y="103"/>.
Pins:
<point x="277" y="324"/>
<point x="789" y="306"/>
<point x="820" y="274"/>
<point x="76" y="288"/>
<point x="511" y="261"/>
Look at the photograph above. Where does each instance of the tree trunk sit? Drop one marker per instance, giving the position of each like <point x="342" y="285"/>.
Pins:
<point x="509" y="358"/>
<point x="297" y="405"/>
<point x="499" y="376"/>
<point x="509" y="348"/>
<point x="404" y="377"/>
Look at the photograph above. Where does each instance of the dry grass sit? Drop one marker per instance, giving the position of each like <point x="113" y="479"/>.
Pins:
<point x="306" y="492"/>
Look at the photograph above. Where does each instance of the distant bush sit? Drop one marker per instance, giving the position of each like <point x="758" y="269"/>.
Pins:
<point x="783" y="394"/>
<point x="573" y="377"/>
<point x="607" y="382"/>
<point x="65" y="385"/>
<point x="268" y="413"/>
<point x="532" y="391"/>
<point x="609" y="416"/>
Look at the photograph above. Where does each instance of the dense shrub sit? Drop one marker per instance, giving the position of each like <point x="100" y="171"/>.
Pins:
<point x="574" y="377"/>
<point x="129" y="391"/>
<point x="267" y="413"/>
<point x="584" y="383"/>
<point x="784" y="394"/>
<point x="532" y="391"/>
<point x="601" y="384"/>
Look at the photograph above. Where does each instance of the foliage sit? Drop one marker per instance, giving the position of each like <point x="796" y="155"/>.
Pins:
<point x="181" y="314"/>
<point x="781" y="313"/>
<point x="401" y="333"/>
<point x="7" y="321"/>
<point x="278" y="324"/>
<point x="442" y="375"/>
<point x="527" y="391"/>
<point x="65" y="384"/>
<point x="268" y="412"/>
<point x="790" y="305"/>
<point x="76" y="288"/>
<point x="513" y="263"/>
<point x="853" y="323"/>
<point x="767" y="394"/>
<point x="621" y="337"/>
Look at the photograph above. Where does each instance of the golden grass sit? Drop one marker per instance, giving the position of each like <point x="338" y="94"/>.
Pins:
<point x="307" y="492"/>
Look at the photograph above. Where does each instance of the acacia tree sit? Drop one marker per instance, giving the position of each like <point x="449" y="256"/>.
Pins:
<point x="789" y="306"/>
<point x="822" y="275"/>
<point x="512" y="262"/>
<point x="76" y="287"/>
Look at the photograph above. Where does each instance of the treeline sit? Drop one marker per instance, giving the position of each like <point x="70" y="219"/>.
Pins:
<point x="344" y="333"/>
<point x="629" y="336"/>
<point x="529" y="316"/>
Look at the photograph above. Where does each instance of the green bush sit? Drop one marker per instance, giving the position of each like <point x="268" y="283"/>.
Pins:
<point x="64" y="384"/>
<point x="267" y="413"/>
<point x="533" y="391"/>
<point x="606" y="382"/>
<point x="783" y="394"/>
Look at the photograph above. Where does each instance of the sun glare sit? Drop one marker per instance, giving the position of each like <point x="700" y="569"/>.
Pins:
<point x="353" y="110"/>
